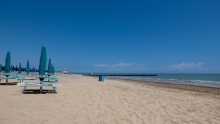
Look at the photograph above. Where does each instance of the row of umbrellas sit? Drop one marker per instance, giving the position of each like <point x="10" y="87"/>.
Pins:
<point x="18" y="69"/>
<point x="42" y="66"/>
<point x="21" y="69"/>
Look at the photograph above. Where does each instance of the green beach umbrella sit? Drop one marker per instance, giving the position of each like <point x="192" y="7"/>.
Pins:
<point x="52" y="68"/>
<point x="8" y="63"/>
<point x="33" y="69"/>
<point x="28" y="67"/>
<point x="43" y="61"/>
<point x="49" y="67"/>
<point x="0" y="67"/>
<point x="19" y="69"/>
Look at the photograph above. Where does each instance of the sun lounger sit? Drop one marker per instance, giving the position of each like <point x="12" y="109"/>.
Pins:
<point x="41" y="85"/>
<point x="41" y="76"/>
<point x="18" y="77"/>
<point x="51" y="79"/>
<point x="1" y="78"/>
<point x="30" y="77"/>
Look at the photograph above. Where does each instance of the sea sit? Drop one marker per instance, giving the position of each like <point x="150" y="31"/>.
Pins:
<point x="200" y="79"/>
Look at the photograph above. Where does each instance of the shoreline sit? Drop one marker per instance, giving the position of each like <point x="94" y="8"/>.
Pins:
<point x="197" y="79"/>
<point x="180" y="86"/>
<point x="186" y="87"/>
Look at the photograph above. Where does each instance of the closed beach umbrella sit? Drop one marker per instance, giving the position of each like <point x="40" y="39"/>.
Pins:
<point x="16" y="68"/>
<point x="28" y="67"/>
<point x="49" y="67"/>
<point x="19" y="68"/>
<point x="53" y="70"/>
<point x="33" y="69"/>
<point x="11" y="68"/>
<point x="8" y="63"/>
<point x="43" y="61"/>
<point x="0" y="67"/>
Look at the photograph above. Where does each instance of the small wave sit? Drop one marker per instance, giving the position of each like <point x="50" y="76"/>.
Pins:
<point x="125" y="78"/>
<point x="172" y="79"/>
<point x="137" y="78"/>
<point x="195" y="80"/>
<point x="207" y="81"/>
<point x="148" y="78"/>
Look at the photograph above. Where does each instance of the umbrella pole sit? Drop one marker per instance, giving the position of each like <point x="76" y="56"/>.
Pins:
<point x="41" y="81"/>
<point x="48" y="77"/>
<point x="6" y="79"/>
<point x="40" y="89"/>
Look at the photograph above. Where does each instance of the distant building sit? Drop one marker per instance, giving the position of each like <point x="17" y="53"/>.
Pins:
<point x="64" y="71"/>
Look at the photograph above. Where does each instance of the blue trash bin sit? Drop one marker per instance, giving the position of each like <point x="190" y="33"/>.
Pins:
<point x="101" y="78"/>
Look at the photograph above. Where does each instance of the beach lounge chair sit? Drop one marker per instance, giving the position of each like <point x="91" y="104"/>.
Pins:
<point x="18" y="77"/>
<point x="51" y="79"/>
<point x="30" y="77"/>
<point x="41" y="76"/>
<point x="41" y="85"/>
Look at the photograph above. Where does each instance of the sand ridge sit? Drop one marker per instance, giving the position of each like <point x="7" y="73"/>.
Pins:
<point x="85" y="100"/>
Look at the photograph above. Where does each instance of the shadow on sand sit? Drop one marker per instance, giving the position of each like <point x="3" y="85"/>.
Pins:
<point x="37" y="91"/>
<point x="10" y="83"/>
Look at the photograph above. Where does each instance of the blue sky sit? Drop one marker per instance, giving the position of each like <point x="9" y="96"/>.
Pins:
<point x="114" y="36"/>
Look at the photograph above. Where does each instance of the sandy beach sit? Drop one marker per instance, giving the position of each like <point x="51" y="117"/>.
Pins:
<point x="85" y="100"/>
